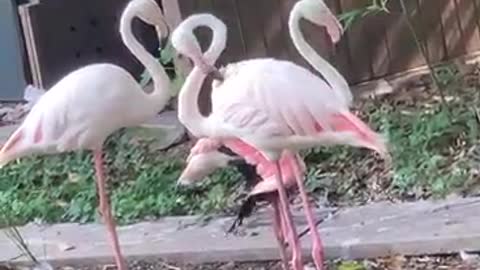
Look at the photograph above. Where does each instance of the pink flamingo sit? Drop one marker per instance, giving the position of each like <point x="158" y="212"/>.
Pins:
<point x="90" y="103"/>
<point x="207" y="156"/>
<point x="271" y="106"/>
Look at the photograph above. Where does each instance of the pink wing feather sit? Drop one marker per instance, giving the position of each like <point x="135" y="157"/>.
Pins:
<point x="274" y="104"/>
<point x="265" y="168"/>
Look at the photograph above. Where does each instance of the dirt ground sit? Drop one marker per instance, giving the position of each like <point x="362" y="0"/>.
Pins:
<point x="394" y="263"/>
<point x="450" y="262"/>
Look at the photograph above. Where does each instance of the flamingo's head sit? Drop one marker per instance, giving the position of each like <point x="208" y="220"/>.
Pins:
<point x="149" y="12"/>
<point x="200" y="165"/>
<point x="184" y="41"/>
<point x="317" y="12"/>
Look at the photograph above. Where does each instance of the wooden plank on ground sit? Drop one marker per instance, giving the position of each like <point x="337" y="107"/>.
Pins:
<point x="376" y="230"/>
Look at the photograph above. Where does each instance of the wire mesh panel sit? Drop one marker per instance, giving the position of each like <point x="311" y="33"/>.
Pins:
<point x="65" y="35"/>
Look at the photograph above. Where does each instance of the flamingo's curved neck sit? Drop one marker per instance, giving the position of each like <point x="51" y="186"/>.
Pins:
<point x="160" y="96"/>
<point x="331" y="75"/>
<point x="188" y="110"/>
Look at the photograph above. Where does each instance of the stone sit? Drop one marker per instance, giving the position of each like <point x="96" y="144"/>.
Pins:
<point x="159" y="132"/>
<point x="5" y="132"/>
<point x="377" y="230"/>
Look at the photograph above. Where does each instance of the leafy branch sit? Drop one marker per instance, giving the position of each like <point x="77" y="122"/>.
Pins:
<point x="376" y="6"/>
<point x="423" y="51"/>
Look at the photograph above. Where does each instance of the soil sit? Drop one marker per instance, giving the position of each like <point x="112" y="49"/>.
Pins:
<point x="448" y="262"/>
<point x="393" y="263"/>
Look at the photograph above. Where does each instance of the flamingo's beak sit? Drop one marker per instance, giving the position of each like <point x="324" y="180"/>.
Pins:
<point x="163" y="31"/>
<point x="184" y="179"/>
<point x="182" y="182"/>
<point x="210" y="69"/>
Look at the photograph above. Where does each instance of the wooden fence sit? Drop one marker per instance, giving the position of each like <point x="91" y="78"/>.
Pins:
<point x="63" y="35"/>
<point x="372" y="48"/>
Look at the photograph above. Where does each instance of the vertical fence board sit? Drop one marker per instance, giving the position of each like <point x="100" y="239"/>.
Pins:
<point x="251" y="27"/>
<point x="235" y="49"/>
<point x="451" y="29"/>
<point x="317" y="38"/>
<point x="295" y="56"/>
<point x="204" y="34"/>
<point x="275" y="39"/>
<point x="187" y="7"/>
<point x="377" y="44"/>
<point x="342" y="58"/>
<point x="361" y="67"/>
<point x="403" y="49"/>
<point x="466" y="12"/>
<point x="476" y="5"/>
<point x="431" y="19"/>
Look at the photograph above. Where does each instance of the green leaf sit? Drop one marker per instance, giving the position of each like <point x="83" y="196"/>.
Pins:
<point x="351" y="265"/>
<point x="167" y="54"/>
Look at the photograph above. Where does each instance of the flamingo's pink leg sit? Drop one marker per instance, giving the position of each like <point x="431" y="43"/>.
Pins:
<point x="317" y="248"/>
<point x="279" y="231"/>
<point x="106" y="209"/>
<point x="292" y="235"/>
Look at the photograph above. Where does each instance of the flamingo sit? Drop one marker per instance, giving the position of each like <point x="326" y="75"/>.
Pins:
<point x="208" y="155"/>
<point x="87" y="105"/>
<point x="266" y="106"/>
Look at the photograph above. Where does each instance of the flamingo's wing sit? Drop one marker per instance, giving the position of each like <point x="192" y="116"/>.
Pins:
<point x="275" y="94"/>
<point x="266" y="169"/>
<point x="204" y="145"/>
<point x="271" y="97"/>
<point x="42" y="130"/>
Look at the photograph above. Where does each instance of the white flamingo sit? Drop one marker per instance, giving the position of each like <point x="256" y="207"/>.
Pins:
<point x="271" y="105"/>
<point x="205" y="157"/>
<point x="90" y="103"/>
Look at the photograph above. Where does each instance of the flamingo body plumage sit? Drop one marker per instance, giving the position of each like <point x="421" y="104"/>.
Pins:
<point x="80" y="112"/>
<point x="271" y="106"/>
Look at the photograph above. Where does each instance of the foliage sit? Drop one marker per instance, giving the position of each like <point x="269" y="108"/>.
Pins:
<point x="142" y="183"/>
<point x="428" y="146"/>
<point x="375" y="6"/>
<point x="166" y="58"/>
<point x="428" y="153"/>
<point x="351" y="265"/>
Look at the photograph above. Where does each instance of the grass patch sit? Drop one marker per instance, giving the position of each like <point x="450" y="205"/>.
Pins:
<point x="431" y="147"/>
<point x="433" y="153"/>
<point x="141" y="182"/>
